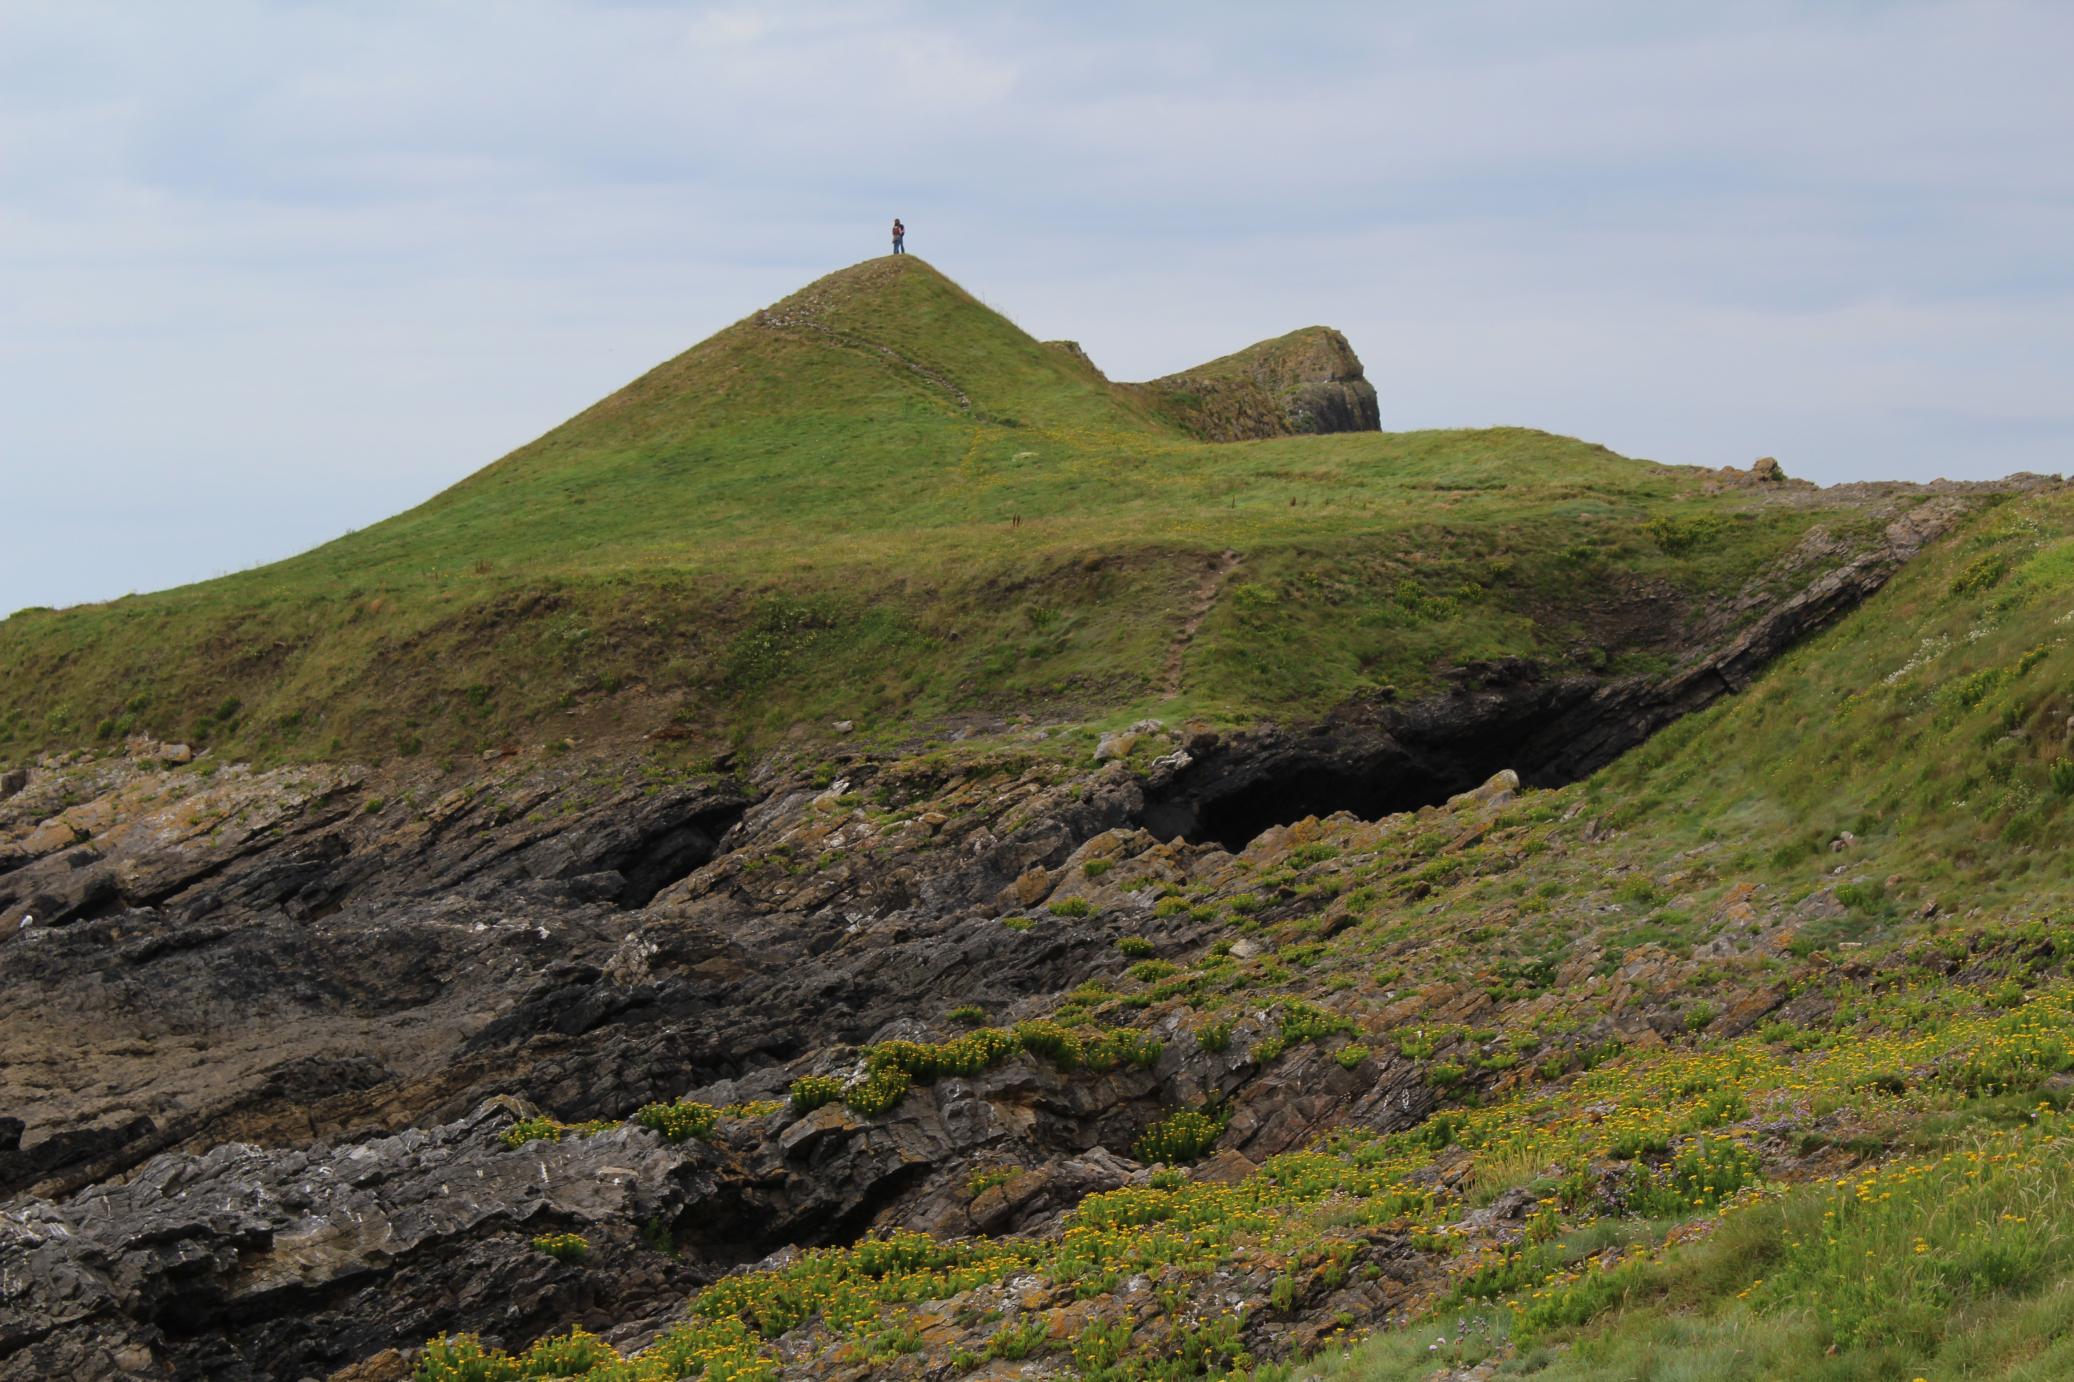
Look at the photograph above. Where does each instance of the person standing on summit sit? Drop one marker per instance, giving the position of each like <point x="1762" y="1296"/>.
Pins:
<point x="899" y="237"/>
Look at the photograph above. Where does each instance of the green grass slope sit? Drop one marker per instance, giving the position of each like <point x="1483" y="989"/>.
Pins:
<point x="880" y="501"/>
<point x="1931" y="964"/>
<point x="1765" y="1033"/>
<point x="1782" y="1103"/>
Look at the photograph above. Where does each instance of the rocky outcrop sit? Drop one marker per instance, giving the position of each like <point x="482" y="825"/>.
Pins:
<point x="246" y="1262"/>
<point x="310" y="839"/>
<point x="1080" y="357"/>
<point x="1307" y="381"/>
<point x="1762" y="472"/>
<point x="249" y="1263"/>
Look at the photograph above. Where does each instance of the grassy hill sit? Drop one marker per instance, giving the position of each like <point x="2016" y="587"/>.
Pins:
<point x="1745" y="1057"/>
<point x="880" y="501"/>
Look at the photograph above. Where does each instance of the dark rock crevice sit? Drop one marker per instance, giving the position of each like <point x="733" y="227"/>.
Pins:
<point x="1372" y="764"/>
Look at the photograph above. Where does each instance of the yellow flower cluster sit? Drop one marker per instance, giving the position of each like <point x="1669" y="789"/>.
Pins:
<point x="1311" y="1206"/>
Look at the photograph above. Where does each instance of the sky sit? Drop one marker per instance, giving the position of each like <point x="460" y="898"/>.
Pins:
<point x="274" y="271"/>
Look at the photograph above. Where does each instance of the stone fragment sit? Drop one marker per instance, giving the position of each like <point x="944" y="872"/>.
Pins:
<point x="1500" y="788"/>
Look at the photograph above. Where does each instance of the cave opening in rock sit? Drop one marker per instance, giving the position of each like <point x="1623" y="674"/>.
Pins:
<point x="1232" y="792"/>
<point x="667" y="852"/>
<point x="1235" y="818"/>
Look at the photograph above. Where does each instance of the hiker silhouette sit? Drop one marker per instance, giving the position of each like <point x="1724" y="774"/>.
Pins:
<point x="899" y="237"/>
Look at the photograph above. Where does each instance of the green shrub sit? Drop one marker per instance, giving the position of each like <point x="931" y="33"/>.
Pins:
<point x="986" y="1178"/>
<point x="1983" y="574"/>
<point x="1101" y="1344"/>
<point x="532" y="1130"/>
<point x="1633" y="1143"/>
<point x="564" y="1247"/>
<point x="1311" y="854"/>
<point x="1120" y="1046"/>
<point x="1968" y="692"/>
<point x="2022" y="1060"/>
<point x="1012" y="1342"/>
<point x="1698" y="1178"/>
<point x="1676" y="536"/>
<point x="680" y="1120"/>
<point x="462" y="1358"/>
<point x="1182" y="1136"/>
<point x="1054" y="1042"/>
<point x="1639" y="890"/>
<point x="1868" y="898"/>
<point x="1351" y="1055"/>
<point x="877" y="1092"/>
<point x="1440" y="1131"/>
<point x="1572" y="1303"/>
<point x="969" y="1054"/>
<point x="1722" y="1106"/>
<point x="810" y="1092"/>
<point x="1095" y="868"/>
<point x="545" y="1129"/>
<point x="1445" y="1075"/>
<point x="1137" y="947"/>
<point x="1281" y="1295"/>
<point x="1304" y="1022"/>
<point x="1070" y="907"/>
<point x="971" y="1014"/>
<point x="1214" y="1036"/>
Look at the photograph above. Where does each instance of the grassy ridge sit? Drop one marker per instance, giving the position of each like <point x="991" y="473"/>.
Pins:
<point x="881" y="501"/>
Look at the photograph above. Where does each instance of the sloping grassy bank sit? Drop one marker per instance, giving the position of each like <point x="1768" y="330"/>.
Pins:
<point x="1770" y="1046"/>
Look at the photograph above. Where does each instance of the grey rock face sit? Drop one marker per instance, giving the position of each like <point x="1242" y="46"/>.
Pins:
<point x="245" y="1262"/>
<point x="1308" y="381"/>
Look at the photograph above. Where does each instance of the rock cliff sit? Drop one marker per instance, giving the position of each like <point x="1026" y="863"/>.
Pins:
<point x="1305" y="382"/>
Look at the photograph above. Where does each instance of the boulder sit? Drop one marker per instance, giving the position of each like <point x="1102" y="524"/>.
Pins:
<point x="1305" y="382"/>
<point x="1500" y="788"/>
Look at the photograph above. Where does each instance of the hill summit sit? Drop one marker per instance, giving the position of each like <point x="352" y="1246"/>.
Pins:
<point x="886" y="374"/>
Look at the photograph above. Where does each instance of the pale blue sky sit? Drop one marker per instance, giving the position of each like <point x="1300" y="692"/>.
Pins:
<point x="269" y="271"/>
